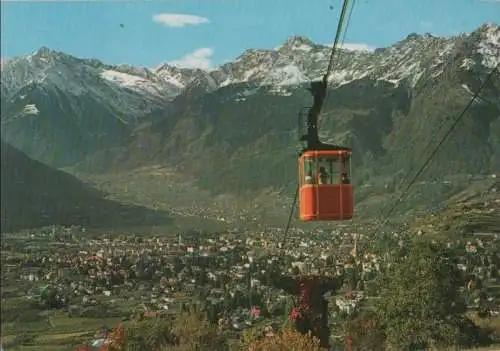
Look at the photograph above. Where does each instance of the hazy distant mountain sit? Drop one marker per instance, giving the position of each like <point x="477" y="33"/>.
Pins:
<point x="34" y="195"/>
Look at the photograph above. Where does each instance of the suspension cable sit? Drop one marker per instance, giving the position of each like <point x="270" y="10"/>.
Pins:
<point x="289" y="222"/>
<point x="325" y="80"/>
<point x="342" y="41"/>
<point x="436" y="131"/>
<point x="337" y="37"/>
<point x="347" y="22"/>
<point x="434" y="152"/>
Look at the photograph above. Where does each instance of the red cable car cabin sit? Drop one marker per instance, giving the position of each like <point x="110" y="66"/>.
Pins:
<point x="325" y="192"/>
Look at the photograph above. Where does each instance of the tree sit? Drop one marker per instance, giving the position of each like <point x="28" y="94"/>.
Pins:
<point x="50" y="298"/>
<point x="116" y="340"/>
<point x="287" y="340"/>
<point x="420" y="302"/>
<point x="82" y="348"/>
<point x="194" y="332"/>
<point x="311" y="311"/>
<point x="157" y="333"/>
<point x="147" y="335"/>
<point x="366" y="332"/>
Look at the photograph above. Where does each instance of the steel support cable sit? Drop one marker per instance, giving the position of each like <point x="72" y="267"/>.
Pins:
<point x="415" y="95"/>
<point x="434" y="151"/>
<point x="288" y="223"/>
<point x="342" y="41"/>
<point x="443" y="121"/>
<point x="450" y="61"/>
<point x="325" y="79"/>
<point x="337" y="37"/>
<point x="448" y="73"/>
<point x="436" y="131"/>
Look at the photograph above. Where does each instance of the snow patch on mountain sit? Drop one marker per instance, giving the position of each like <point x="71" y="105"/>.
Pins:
<point x="467" y="89"/>
<point x="31" y="109"/>
<point x="133" y="82"/>
<point x="489" y="47"/>
<point x="467" y="63"/>
<point x="280" y="90"/>
<point x="287" y="75"/>
<point x="179" y="77"/>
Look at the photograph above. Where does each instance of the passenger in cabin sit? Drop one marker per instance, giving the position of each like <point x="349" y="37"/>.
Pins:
<point x="345" y="179"/>
<point x="309" y="179"/>
<point x="322" y="176"/>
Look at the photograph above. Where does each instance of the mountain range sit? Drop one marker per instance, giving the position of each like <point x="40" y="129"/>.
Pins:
<point x="233" y="129"/>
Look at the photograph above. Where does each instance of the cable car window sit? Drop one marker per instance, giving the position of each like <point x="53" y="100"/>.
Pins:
<point x="308" y="170"/>
<point x="323" y="171"/>
<point x="336" y="169"/>
<point x="345" y="172"/>
<point x="346" y="169"/>
<point x="327" y="170"/>
<point x="346" y="163"/>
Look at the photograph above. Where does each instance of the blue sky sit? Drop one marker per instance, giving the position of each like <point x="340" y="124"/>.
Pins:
<point x="210" y="32"/>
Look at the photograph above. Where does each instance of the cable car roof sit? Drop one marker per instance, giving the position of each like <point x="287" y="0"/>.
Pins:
<point x="326" y="149"/>
<point x="324" y="153"/>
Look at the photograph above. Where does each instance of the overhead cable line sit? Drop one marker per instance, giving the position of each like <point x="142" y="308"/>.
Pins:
<point x="337" y="37"/>
<point x="342" y="41"/>
<point x="434" y="151"/>
<point x="340" y="25"/>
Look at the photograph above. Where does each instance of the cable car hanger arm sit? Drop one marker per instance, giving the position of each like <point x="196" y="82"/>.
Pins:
<point x="318" y="91"/>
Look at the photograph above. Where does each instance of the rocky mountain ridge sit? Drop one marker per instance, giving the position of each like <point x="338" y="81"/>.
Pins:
<point x="298" y="60"/>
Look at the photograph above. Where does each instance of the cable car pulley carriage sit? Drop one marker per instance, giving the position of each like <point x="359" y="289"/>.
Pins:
<point x="325" y="189"/>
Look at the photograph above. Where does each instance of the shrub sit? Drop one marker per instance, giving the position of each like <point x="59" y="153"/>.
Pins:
<point x="287" y="340"/>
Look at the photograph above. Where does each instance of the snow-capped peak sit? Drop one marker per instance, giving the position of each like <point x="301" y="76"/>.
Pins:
<point x="44" y="51"/>
<point x="179" y="77"/>
<point x="489" y="44"/>
<point x="297" y="42"/>
<point x="297" y="61"/>
<point x="489" y="26"/>
<point x="134" y="82"/>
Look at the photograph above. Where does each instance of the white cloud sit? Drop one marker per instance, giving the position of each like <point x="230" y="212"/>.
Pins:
<point x="200" y="58"/>
<point x="179" y="20"/>
<point x="357" y="47"/>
